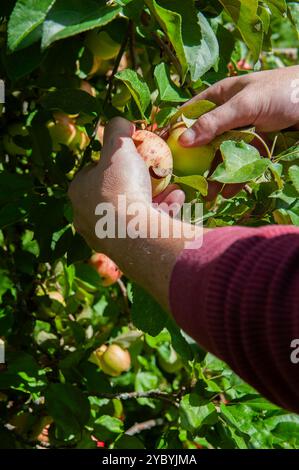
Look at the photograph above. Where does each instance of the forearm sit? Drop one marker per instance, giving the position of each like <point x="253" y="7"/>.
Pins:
<point x="238" y="297"/>
<point x="150" y="260"/>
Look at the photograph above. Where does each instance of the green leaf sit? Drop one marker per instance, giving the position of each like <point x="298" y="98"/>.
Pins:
<point x="279" y="4"/>
<point x="23" y="62"/>
<point x="12" y="213"/>
<point x="247" y="135"/>
<point x="167" y="89"/>
<point x="89" y="276"/>
<point x="190" y="33"/>
<point x="6" y="319"/>
<point x="137" y="87"/>
<point x="23" y="373"/>
<point x="293" y="13"/>
<point x="241" y="163"/>
<point x="147" y="314"/>
<point x="78" y="250"/>
<point x="68" y="407"/>
<point x="128" y="442"/>
<point x="27" y="15"/>
<point x="244" y="15"/>
<point x="71" y="17"/>
<point x="289" y="155"/>
<point x="13" y="185"/>
<point x="194" y="110"/>
<point x="194" y="413"/>
<point x="6" y="284"/>
<point x="70" y="101"/>
<point x="146" y="381"/>
<point x="294" y="176"/>
<point x="163" y="117"/>
<point x="179" y="342"/>
<point x="195" y="181"/>
<point x="171" y="23"/>
<point x="107" y="427"/>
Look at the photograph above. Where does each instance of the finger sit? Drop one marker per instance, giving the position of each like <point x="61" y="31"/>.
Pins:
<point x="172" y="202"/>
<point x="230" y="115"/>
<point x="220" y="92"/>
<point x="118" y="143"/>
<point x="161" y="197"/>
<point x="118" y="126"/>
<point x="115" y="131"/>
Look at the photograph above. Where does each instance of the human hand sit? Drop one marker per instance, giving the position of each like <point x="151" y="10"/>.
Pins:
<point x="122" y="172"/>
<point x="261" y="99"/>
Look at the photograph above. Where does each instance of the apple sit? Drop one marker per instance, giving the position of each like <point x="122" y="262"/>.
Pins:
<point x="10" y="146"/>
<point x="157" y="156"/>
<point x="101" y="44"/>
<point x="192" y="160"/>
<point x="112" y="359"/>
<point x="63" y="131"/>
<point x="106" y="268"/>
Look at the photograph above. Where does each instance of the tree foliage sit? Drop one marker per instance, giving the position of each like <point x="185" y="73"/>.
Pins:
<point x="55" y="311"/>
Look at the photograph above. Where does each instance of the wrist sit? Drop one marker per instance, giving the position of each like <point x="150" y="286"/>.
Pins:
<point x="148" y="252"/>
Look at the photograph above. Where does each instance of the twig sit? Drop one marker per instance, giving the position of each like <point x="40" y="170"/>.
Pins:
<point x="132" y="44"/>
<point x="111" y="78"/>
<point x="156" y="394"/>
<point x="145" y="426"/>
<point x="170" y="54"/>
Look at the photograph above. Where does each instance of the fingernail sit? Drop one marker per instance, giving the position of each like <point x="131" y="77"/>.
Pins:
<point x="188" y="137"/>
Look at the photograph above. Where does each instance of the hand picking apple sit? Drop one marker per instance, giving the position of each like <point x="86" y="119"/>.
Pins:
<point x="225" y="294"/>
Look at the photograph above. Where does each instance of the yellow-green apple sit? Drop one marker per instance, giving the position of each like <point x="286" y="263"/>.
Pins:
<point x="157" y="156"/>
<point x="188" y="160"/>
<point x="112" y="359"/>
<point x="63" y="131"/>
<point x="106" y="268"/>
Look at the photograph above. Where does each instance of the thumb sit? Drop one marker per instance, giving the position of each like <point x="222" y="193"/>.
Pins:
<point x="228" y="116"/>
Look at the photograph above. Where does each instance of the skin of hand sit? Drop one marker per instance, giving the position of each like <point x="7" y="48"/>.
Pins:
<point x="261" y="99"/>
<point x="121" y="171"/>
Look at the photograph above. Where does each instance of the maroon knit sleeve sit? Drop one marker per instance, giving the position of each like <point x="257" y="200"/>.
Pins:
<point x="238" y="297"/>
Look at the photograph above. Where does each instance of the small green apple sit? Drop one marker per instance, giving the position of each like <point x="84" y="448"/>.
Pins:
<point x="101" y="44"/>
<point x="189" y="160"/>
